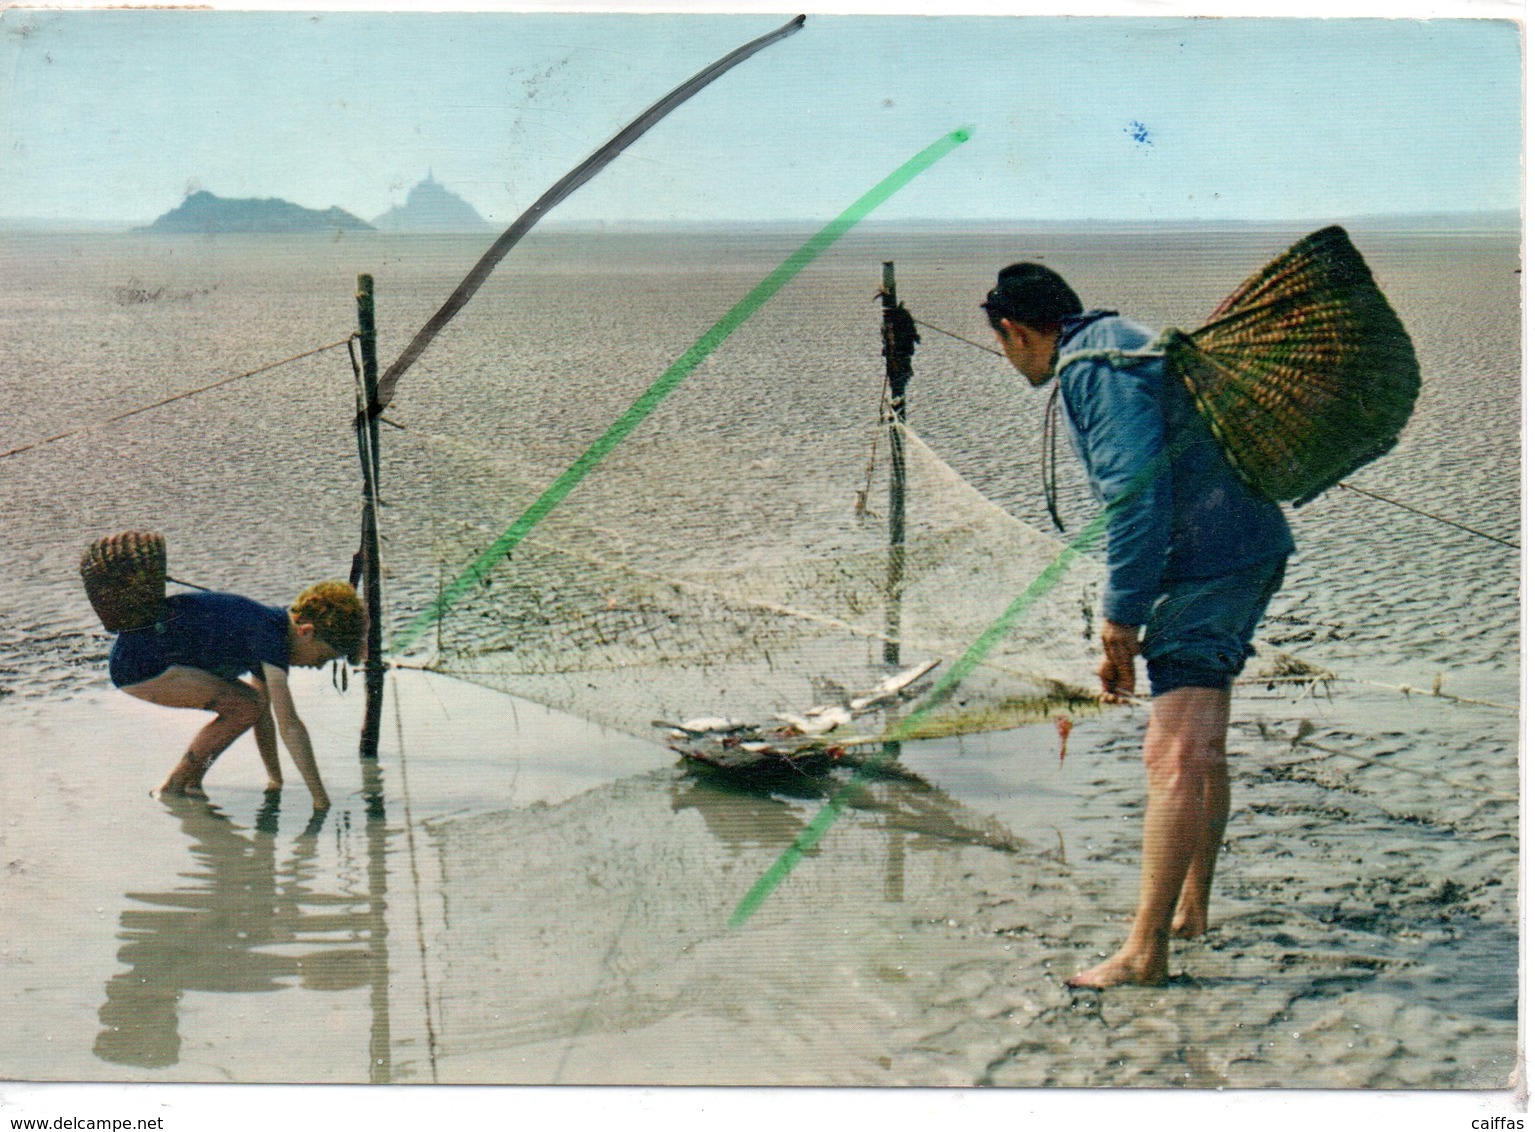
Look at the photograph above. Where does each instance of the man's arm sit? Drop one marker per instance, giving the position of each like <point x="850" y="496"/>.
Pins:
<point x="295" y="735"/>
<point x="1119" y="415"/>
<point x="1121" y="645"/>
<point x="1124" y="436"/>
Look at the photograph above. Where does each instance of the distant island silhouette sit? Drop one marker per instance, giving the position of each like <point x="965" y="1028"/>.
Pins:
<point x="432" y="208"/>
<point x="203" y="212"/>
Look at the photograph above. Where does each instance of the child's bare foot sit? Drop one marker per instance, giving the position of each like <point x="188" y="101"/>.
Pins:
<point x="171" y="789"/>
<point x="186" y="779"/>
<point x="1122" y="970"/>
<point x="273" y="785"/>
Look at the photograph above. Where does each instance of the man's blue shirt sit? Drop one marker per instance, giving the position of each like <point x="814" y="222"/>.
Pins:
<point x="1178" y="510"/>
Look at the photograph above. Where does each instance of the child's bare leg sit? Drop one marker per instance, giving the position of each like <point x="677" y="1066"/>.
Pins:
<point x="266" y="736"/>
<point x="235" y="708"/>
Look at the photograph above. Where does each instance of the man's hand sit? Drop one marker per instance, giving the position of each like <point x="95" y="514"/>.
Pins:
<point x="1121" y="644"/>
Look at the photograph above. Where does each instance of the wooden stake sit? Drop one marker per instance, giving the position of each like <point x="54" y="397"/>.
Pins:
<point x="372" y="569"/>
<point x="899" y="334"/>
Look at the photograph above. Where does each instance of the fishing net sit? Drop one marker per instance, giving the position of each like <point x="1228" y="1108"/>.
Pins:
<point x="716" y="584"/>
<point x="727" y="574"/>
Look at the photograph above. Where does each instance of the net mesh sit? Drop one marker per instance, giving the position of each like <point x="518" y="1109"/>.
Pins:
<point x="730" y="557"/>
<point x="692" y="579"/>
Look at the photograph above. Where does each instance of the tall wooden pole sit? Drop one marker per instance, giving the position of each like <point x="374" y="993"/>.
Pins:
<point x="372" y="569"/>
<point x="900" y="337"/>
<point x="380" y="1058"/>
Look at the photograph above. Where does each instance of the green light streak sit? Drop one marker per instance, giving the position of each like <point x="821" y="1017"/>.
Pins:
<point x="673" y="377"/>
<point x="1046" y="581"/>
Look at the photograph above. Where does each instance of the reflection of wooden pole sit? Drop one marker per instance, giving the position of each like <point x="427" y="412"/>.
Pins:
<point x="372" y="572"/>
<point x="895" y="849"/>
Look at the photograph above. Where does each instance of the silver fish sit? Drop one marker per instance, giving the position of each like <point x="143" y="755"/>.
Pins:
<point x="891" y="687"/>
<point x="704" y="725"/>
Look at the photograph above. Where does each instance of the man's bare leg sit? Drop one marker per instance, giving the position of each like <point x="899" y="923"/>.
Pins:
<point x="1191" y="918"/>
<point x="1185" y="744"/>
<point x="235" y="708"/>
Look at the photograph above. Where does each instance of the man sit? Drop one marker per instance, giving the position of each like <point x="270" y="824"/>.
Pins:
<point x="194" y="655"/>
<point x="1194" y="556"/>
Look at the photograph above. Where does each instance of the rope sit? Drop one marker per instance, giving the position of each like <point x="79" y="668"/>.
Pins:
<point x="175" y="397"/>
<point x="1409" y="690"/>
<point x="1430" y="515"/>
<point x="1129" y="356"/>
<point x="1047" y="455"/>
<point x="960" y="337"/>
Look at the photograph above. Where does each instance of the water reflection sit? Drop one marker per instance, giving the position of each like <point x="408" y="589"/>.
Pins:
<point x="250" y="917"/>
<point x="566" y="928"/>
<point x="745" y="813"/>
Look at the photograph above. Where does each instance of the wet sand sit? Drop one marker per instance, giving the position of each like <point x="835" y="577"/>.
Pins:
<point x="517" y="896"/>
<point x="574" y="930"/>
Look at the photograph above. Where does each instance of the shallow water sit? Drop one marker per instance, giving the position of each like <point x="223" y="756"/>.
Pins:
<point x="516" y="896"/>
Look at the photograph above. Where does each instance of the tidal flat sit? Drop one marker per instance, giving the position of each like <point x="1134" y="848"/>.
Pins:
<point x="514" y="895"/>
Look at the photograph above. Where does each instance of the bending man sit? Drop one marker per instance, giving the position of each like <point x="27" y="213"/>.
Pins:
<point x="1194" y="556"/>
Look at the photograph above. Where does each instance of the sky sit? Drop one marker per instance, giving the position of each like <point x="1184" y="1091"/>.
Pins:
<point x="117" y="115"/>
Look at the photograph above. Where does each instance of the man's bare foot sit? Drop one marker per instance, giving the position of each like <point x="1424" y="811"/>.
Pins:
<point x="1121" y="970"/>
<point x="1187" y="925"/>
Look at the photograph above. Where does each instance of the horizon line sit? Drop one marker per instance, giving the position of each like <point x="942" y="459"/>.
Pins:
<point x="1501" y="215"/>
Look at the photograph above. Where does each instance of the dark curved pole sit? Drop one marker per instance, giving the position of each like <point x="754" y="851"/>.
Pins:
<point x="563" y="188"/>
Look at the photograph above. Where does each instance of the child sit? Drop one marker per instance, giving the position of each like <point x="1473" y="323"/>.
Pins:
<point x="197" y="650"/>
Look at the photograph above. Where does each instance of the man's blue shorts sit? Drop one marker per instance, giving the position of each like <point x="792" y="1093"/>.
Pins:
<point x="1200" y="632"/>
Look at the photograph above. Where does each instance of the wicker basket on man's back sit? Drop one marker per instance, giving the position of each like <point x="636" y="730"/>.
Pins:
<point x="1305" y="374"/>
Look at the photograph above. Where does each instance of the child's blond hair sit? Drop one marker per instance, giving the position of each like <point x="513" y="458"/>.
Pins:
<point x="336" y="612"/>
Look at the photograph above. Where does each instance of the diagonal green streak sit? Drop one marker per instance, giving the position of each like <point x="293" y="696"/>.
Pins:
<point x="958" y="671"/>
<point x="1046" y="581"/>
<point x="674" y="376"/>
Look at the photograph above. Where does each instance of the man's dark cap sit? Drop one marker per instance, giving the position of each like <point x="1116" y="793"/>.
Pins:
<point x="1032" y="294"/>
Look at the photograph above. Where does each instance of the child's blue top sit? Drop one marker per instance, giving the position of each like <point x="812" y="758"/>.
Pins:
<point x="1178" y="510"/>
<point x="225" y="634"/>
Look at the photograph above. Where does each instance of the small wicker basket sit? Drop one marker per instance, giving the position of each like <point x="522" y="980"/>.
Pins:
<point x="124" y="577"/>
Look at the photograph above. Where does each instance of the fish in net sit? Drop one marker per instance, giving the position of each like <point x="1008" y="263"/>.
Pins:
<point x="718" y="569"/>
<point x="777" y="657"/>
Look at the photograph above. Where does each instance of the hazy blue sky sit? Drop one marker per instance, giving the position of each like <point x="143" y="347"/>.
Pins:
<point x="116" y="115"/>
